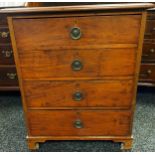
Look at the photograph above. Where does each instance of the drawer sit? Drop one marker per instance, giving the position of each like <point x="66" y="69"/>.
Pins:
<point x="4" y="35"/>
<point x="149" y="41"/>
<point x="96" y="93"/>
<point x="147" y="72"/>
<point x="74" y="32"/>
<point x="6" y="55"/>
<point x="77" y="63"/>
<point x="8" y="76"/>
<point x="150" y="24"/>
<point x="150" y="15"/>
<point x="3" y="20"/>
<point x="148" y="52"/>
<point x="79" y="123"/>
<point x="150" y="29"/>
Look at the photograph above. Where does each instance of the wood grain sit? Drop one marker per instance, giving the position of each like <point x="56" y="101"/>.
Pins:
<point x="96" y="63"/>
<point x="6" y="55"/>
<point x="43" y="54"/>
<point x="149" y="31"/>
<point x="100" y="7"/>
<point x="148" y="52"/>
<point x="61" y="123"/>
<point x="8" y="76"/>
<point x="96" y="30"/>
<point x="95" y="93"/>
<point x="33" y="141"/>
<point x="138" y="62"/>
<point x="147" y="72"/>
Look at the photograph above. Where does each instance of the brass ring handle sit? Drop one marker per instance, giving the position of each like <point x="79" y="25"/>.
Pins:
<point x="151" y="51"/>
<point x="148" y="72"/>
<point x="7" y="54"/>
<point x="75" y="33"/>
<point x="78" y="124"/>
<point x="78" y="96"/>
<point x="11" y="76"/>
<point x="4" y="34"/>
<point x="76" y="65"/>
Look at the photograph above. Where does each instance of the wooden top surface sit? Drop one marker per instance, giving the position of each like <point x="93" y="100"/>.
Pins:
<point x="109" y="7"/>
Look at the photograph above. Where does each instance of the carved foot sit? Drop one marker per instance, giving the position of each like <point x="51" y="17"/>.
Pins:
<point x="126" y="144"/>
<point x="32" y="145"/>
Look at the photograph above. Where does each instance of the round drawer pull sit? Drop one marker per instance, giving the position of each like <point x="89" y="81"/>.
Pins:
<point x="4" y="34"/>
<point x="77" y="65"/>
<point x="11" y="76"/>
<point x="75" y="33"/>
<point x="152" y="50"/>
<point x="147" y="73"/>
<point x="7" y="54"/>
<point x="78" y="96"/>
<point x="78" y="124"/>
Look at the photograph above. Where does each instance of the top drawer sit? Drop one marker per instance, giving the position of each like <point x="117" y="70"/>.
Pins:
<point x="150" y="29"/>
<point x="72" y="32"/>
<point x="151" y="15"/>
<point x="3" y="19"/>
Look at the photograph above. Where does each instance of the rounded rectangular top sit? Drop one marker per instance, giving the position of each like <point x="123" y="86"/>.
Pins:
<point x="128" y="6"/>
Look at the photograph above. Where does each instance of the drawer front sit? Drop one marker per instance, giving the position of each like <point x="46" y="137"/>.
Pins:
<point x="74" y="32"/>
<point x="150" y="29"/>
<point x="3" y="20"/>
<point x="79" y="123"/>
<point x="4" y="35"/>
<point x="79" y="93"/>
<point x="149" y="41"/>
<point x="151" y="15"/>
<point x="6" y="55"/>
<point x="147" y="72"/>
<point x="148" y="52"/>
<point x="77" y="63"/>
<point x="8" y="76"/>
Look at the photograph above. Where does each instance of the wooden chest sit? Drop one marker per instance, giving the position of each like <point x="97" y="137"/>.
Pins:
<point x="8" y="75"/>
<point x="78" y="68"/>
<point x="147" y="71"/>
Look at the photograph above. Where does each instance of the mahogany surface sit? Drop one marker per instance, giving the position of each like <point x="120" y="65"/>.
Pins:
<point x="56" y="123"/>
<point x="96" y="93"/>
<point x="99" y="62"/>
<point x="8" y="75"/>
<point x="147" y="73"/>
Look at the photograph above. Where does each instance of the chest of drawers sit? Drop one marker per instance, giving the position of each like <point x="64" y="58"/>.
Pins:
<point x="147" y="72"/>
<point x="8" y="75"/>
<point x="78" y="68"/>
